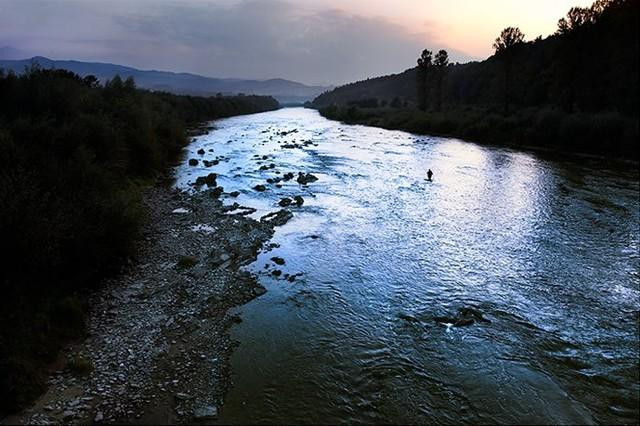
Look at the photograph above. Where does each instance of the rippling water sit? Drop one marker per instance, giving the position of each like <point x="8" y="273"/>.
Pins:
<point x="547" y="250"/>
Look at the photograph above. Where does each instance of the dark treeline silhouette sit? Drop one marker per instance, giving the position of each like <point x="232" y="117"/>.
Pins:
<point x="576" y="90"/>
<point x="74" y="155"/>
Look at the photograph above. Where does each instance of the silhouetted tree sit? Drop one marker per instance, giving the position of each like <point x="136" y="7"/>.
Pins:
<point x="504" y="46"/>
<point x="425" y="62"/>
<point x="441" y="61"/>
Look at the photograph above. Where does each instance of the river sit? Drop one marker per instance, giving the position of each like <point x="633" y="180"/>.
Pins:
<point x="546" y="249"/>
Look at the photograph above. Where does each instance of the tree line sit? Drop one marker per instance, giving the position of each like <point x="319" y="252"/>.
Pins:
<point x="575" y="90"/>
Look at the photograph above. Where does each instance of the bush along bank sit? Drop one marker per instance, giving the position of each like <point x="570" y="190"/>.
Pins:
<point x="604" y="133"/>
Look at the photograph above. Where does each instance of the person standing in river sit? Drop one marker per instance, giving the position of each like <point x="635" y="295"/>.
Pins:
<point x="429" y="174"/>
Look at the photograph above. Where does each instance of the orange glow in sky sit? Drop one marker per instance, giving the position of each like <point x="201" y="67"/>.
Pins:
<point x="469" y="26"/>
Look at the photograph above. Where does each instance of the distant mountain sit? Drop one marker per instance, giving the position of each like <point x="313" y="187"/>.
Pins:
<point x="285" y="91"/>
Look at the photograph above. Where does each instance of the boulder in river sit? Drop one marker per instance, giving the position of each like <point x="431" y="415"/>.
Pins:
<point x="234" y="194"/>
<point x="260" y="188"/>
<point x="306" y="178"/>
<point x="285" y="202"/>
<point x="277" y="260"/>
<point x="193" y="162"/>
<point x="201" y="151"/>
<point x="288" y="176"/>
<point x="299" y="200"/>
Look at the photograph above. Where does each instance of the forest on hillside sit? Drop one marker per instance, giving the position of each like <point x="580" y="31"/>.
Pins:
<point x="577" y="89"/>
<point x="74" y="155"/>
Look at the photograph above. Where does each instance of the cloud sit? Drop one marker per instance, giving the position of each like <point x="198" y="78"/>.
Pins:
<point x="246" y="39"/>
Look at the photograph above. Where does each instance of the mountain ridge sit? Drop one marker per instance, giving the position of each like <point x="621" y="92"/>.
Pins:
<point x="184" y="83"/>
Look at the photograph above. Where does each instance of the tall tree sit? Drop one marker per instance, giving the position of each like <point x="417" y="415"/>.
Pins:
<point x="504" y="47"/>
<point x="440" y="61"/>
<point x="425" y="62"/>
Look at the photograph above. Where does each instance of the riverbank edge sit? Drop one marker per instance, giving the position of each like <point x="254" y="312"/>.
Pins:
<point x="630" y="158"/>
<point x="70" y="332"/>
<point x="151" y="396"/>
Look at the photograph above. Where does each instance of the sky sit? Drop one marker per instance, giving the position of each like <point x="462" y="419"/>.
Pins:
<point x="310" y="41"/>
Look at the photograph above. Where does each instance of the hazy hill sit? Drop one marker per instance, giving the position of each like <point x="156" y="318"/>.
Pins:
<point x="285" y="91"/>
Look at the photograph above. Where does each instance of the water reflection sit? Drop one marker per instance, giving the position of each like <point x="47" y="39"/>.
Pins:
<point x="547" y="251"/>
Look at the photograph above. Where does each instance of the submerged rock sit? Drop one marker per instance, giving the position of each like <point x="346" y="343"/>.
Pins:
<point x="260" y="188"/>
<point x="285" y="202"/>
<point x="465" y="316"/>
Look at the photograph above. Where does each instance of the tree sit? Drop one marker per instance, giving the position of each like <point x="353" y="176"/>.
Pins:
<point x="441" y="61"/>
<point x="504" y="46"/>
<point x="425" y="62"/>
<point x="509" y="37"/>
<point x="576" y="18"/>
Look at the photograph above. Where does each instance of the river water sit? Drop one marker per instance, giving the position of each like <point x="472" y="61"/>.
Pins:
<point x="547" y="250"/>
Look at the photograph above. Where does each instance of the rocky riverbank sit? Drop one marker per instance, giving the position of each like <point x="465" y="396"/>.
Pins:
<point x="157" y="347"/>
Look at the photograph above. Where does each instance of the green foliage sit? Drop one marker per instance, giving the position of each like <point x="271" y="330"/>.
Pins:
<point x="73" y="155"/>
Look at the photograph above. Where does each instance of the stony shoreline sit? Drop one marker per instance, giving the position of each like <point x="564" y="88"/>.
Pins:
<point x="157" y="345"/>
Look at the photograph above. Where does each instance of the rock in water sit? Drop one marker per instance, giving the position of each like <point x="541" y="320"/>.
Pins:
<point x="193" y="162"/>
<point x="216" y="192"/>
<point x="210" y="179"/>
<point x="299" y="200"/>
<point x="285" y="202"/>
<point x="278" y="260"/>
<point x="306" y="178"/>
<point x="464" y="317"/>
<point x="278" y="218"/>
<point x="260" y="188"/>
<point x="201" y="151"/>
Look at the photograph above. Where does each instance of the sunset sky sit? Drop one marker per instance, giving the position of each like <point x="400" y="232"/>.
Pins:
<point x="311" y="41"/>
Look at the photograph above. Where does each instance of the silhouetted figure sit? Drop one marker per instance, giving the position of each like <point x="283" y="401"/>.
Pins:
<point x="429" y="174"/>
